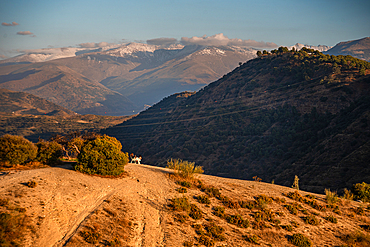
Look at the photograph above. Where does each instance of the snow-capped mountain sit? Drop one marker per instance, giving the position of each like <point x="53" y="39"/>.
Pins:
<point x="320" y="48"/>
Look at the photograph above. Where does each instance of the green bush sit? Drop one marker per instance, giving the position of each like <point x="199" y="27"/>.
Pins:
<point x="300" y="240"/>
<point x="361" y="191"/>
<point x="102" y="156"/>
<point x="16" y="149"/>
<point x="48" y="152"/>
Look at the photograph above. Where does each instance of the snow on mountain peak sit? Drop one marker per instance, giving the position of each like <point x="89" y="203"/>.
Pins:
<point x="320" y="48"/>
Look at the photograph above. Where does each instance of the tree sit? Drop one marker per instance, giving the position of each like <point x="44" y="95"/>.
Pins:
<point x="48" y="152"/>
<point x="259" y="53"/>
<point x="102" y="156"/>
<point x="16" y="149"/>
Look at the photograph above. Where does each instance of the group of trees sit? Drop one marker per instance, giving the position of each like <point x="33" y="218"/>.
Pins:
<point x="346" y="62"/>
<point x="95" y="154"/>
<point x="18" y="150"/>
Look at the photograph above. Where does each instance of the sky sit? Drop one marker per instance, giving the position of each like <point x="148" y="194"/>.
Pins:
<point x="35" y="24"/>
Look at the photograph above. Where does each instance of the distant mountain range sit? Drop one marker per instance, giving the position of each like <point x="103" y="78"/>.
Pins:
<point x="357" y="48"/>
<point x="120" y="79"/>
<point x="279" y="115"/>
<point x="98" y="82"/>
<point x="65" y="87"/>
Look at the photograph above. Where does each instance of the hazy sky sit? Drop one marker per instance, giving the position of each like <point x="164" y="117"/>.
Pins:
<point x="34" y="24"/>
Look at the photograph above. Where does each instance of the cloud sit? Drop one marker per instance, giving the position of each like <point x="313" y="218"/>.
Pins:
<point x="3" y="57"/>
<point x="93" y="45"/>
<point x="221" y="39"/>
<point x="10" y="24"/>
<point x="25" y="33"/>
<point x="161" y="41"/>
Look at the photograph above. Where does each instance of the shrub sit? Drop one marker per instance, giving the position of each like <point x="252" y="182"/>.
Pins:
<point x="12" y="228"/>
<point x="187" y="244"/>
<point x="300" y="240"/>
<point x="347" y="195"/>
<point x="102" y="156"/>
<point x="357" y="238"/>
<point x="311" y="219"/>
<point x="332" y="219"/>
<point x="287" y="227"/>
<point x="91" y="237"/>
<point x="48" y="152"/>
<point x="215" y="231"/>
<point x="181" y="218"/>
<point x="195" y="212"/>
<point x="185" y="168"/>
<point x="16" y="150"/>
<point x="114" y="242"/>
<point x="291" y="209"/>
<point x="252" y="239"/>
<point x="219" y="211"/>
<point x="361" y="191"/>
<point x="182" y="190"/>
<point x="237" y="220"/>
<point x="247" y="204"/>
<point x="212" y="192"/>
<point x="331" y="197"/>
<point x="185" y="184"/>
<point x="203" y="199"/>
<point x="4" y="202"/>
<point x="180" y="204"/>
<point x="228" y="202"/>
<point x="206" y="241"/>
<point x="359" y="211"/>
<point x="262" y="201"/>
<point x="31" y="184"/>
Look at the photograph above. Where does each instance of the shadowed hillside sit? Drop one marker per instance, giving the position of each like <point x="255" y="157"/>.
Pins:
<point x="282" y="114"/>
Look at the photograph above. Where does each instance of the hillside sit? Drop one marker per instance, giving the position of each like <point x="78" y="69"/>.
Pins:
<point x="25" y="103"/>
<point x="357" y="48"/>
<point x="67" y="208"/>
<point x="65" y="87"/>
<point x="282" y="114"/>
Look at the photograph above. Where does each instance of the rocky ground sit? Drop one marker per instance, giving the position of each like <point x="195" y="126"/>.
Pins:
<point x="68" y="208"/>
